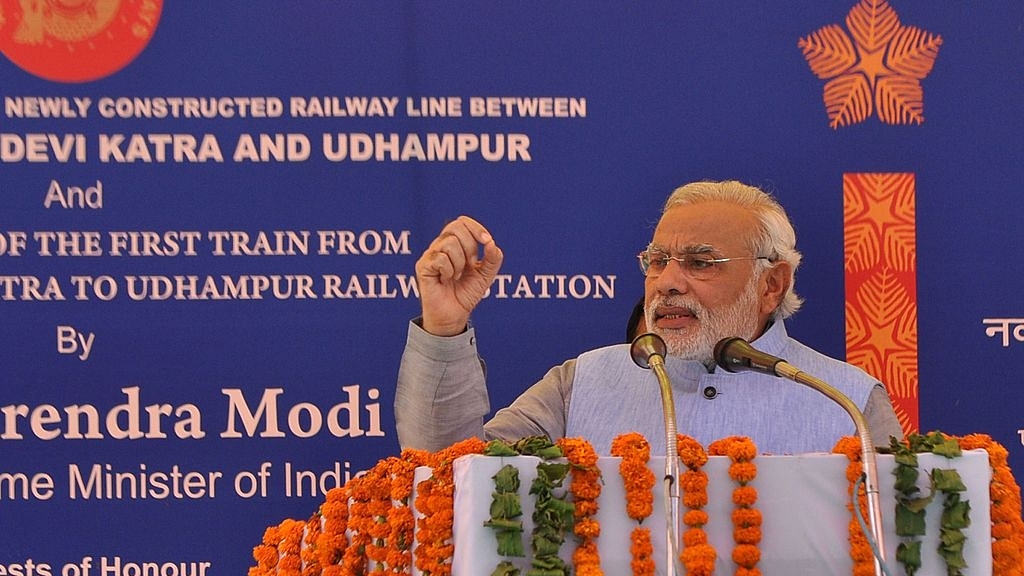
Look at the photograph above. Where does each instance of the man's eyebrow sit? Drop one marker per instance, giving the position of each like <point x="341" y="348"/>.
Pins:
<point x="688" y="249"/>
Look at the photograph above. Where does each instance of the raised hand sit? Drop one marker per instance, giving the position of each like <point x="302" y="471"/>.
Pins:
<point x="453" y="277"/>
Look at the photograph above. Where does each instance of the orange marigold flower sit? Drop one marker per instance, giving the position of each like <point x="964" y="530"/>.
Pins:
<point x="737" y="448"/>
<point x="697" y="499"/>
<point x="639" y="509"/>
<point x="585" y="508"/>
<point x="997" y="453"/>
<point x="641" y="537"/>
<point x="398" y="559"/>
<point x="694" y="537"/>
<point x="744" y="517"/>
<point x="695" y="518"/>
<point x="1002" y="530"/>
<point x="699" y="560"/>
<point x="588" y="491"/>
<point x="628" y="442"/>
<point x="743" y="472"/>
<point x="1003" y="547"/>
<point x="848" y="445"/>
<point x="861" y="551"/>
<point x="271" y="536"/>
<point x="744" y="496"/>
<point x="265" y="555"/>
<point x="864" y="569"/>
<point x="337" y="495"/>
<point x="588" y="550"/>
<point x="746" y="555"/>
<point x="578" y="451"/>
<point x="1004" y="514"/>
<point x="587" y="528"/>
<point x="749" y="535"/>
<point x="641" y="550"/>
<point x="588" y="570"/>
<point x="691" y="452"/>
<point x="693" y="481"/>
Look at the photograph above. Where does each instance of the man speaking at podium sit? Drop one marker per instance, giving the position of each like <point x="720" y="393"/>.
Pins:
<point x="721" y="264"/>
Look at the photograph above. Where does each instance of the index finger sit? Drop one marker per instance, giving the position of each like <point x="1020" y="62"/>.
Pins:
<point x="470" y="234"/>
<point x="466" y="225"/>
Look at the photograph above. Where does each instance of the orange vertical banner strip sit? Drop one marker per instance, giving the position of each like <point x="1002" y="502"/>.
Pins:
<point x="880" y="247"/>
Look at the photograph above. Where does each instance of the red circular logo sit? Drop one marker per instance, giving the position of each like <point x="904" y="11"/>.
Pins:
<point x="76" y="40"/>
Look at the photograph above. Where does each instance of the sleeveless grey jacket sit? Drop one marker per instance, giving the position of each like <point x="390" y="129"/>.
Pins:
<point x="780" y="415"/>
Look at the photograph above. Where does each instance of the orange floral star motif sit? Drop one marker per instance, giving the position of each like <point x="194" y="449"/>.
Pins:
<point x="875" y="65"/>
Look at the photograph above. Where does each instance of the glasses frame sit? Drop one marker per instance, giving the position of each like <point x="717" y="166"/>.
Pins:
<point x="684" y="258"/>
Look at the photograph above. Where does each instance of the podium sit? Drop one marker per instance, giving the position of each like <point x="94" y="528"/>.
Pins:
<point x="803" y="501"/>
<point x="373" y="523"/>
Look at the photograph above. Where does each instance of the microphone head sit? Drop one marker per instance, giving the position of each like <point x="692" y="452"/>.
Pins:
<point x="644" y="347"/>
<point x="737" y="355"/>
<point x="727" y="354"/>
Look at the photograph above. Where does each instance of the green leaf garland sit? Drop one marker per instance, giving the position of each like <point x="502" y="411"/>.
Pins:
<point x="552" y="516"/>
<point x="910" y="506"/>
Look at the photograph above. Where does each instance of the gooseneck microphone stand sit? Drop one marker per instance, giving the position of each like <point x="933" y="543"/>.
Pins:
<point x="648" y="351"/>
<point x="737" y="355"/>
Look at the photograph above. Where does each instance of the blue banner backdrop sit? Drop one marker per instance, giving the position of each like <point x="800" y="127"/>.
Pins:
<point x="207" y="245"/>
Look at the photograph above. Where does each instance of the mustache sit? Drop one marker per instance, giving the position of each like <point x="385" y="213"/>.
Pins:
<point x="688" y="304"/>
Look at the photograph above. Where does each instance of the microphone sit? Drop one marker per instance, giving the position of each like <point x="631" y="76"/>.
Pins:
<point x="648" y="351"/>
<point x="645" y="347"/>
<point x="737" y="355"/>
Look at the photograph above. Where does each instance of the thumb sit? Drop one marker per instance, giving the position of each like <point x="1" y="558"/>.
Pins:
<point x="492" y="258"/>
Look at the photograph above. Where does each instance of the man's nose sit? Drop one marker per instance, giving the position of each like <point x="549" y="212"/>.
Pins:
<point x="672" y="279"/>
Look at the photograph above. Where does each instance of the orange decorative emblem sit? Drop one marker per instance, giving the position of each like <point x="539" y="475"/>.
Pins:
<point x="876" y="63"/>
<point x="880" y="249"/>
<point x="76" y="40"/>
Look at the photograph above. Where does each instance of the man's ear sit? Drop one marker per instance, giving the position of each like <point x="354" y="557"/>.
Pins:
<point x="775" y="283"/>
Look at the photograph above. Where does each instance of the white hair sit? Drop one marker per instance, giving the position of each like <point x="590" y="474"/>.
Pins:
<point x="774" y="238"/>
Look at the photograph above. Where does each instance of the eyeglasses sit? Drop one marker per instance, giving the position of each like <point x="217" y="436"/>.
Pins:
<point x="697" y="266"/>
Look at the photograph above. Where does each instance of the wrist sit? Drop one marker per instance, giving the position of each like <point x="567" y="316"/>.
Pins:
<point x="444" y="329"/>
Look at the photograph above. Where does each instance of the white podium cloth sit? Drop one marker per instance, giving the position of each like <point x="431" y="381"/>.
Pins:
<point x="802" y="499"/>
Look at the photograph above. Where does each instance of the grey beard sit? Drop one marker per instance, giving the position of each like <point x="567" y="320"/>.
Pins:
<point x="736" y="319"/>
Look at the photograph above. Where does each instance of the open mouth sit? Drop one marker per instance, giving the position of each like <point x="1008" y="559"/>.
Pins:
<point x="673" y="317"/>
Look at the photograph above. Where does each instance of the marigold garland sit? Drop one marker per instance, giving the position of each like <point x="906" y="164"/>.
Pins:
<point x="368" y="523"/>
<point x="265" y="553"/>
<point x="639" y="484"/>
<point x="746" y="519"/>
<point x="860" y="550"/>
<point x="375" y="493"/>
<point x="355" y="557"/>
<point x="698" y="555"/>
<point x="585" y="489"/>
<point x="310" y="559"/>
<point x="1007" y="525"/>
<point x="400" y="517"/>
<point x="290" y="548"/>
<point x="332" y="541"/>
<point x="435" y="499"/>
